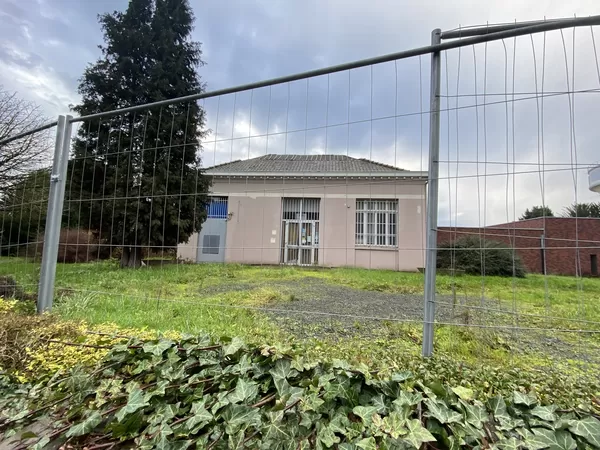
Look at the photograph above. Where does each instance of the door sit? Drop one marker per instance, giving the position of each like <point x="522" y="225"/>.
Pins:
<point x="300" y="231"/>
<point x="211" y="240"/>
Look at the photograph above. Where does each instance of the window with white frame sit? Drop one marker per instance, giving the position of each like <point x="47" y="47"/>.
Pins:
<point x="376" y="222"/>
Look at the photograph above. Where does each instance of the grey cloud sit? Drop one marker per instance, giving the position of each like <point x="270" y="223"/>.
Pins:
<point x="245" y="41"/>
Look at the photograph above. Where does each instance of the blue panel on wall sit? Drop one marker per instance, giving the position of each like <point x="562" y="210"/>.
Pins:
<point x="217" y="208"/>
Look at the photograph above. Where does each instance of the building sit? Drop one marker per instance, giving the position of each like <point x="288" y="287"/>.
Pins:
<point x="551" y="245"/>
<point x="325" y="210"/>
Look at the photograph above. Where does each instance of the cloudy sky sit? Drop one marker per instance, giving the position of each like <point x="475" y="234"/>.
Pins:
<point x="376" y="112"/>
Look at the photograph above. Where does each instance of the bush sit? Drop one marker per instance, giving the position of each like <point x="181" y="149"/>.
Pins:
<point x="466" y="254"/>
<point x="75" y="246"/>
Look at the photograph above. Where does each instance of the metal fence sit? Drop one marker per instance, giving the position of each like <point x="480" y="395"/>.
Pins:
<point x="332" y="168"/>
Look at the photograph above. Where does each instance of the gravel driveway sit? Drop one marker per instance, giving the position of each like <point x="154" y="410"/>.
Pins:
<point x="317" y="308"/>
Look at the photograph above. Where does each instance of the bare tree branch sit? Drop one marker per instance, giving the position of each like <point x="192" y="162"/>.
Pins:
<point x="26" y="154"/>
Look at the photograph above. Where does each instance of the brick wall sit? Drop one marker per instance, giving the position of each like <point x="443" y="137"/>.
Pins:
<point x="562" y="238"/>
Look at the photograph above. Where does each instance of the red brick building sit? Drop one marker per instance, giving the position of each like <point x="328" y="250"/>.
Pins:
<point x="561" y="246"/>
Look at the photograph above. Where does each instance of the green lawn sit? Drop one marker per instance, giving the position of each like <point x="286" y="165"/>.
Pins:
<point x="197" y="298"/>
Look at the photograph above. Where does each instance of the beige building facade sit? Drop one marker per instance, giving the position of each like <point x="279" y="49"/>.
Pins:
<point x="284" y="211"/>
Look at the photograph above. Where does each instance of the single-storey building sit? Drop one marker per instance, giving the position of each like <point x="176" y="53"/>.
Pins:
<point x="325" y="210"/>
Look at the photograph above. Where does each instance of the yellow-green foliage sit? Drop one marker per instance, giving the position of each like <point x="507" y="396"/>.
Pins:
<point x="34" y="347"/>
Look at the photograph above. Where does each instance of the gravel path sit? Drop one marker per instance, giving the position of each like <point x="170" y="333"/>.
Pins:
<point x="316" y="308"/>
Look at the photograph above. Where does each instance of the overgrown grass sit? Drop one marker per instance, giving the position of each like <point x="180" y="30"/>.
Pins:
<point x="192" y="299"/>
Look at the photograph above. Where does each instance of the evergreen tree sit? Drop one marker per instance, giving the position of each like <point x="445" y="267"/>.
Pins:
<point x="134" y="178"/>
<point x="537" y="211"/>
<point x="591" y="209"/>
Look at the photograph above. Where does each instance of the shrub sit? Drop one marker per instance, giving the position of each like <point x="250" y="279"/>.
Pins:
<point x="468" y="253"/>
<point x="74" y="246"/>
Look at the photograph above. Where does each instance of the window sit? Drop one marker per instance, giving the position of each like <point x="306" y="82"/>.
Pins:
<point x="376" y="222"/>
<point x="210" y="244"/>
<point x="217" y="208"/>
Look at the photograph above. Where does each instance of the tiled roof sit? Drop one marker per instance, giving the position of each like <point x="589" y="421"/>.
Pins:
<point x="309" y="164"/>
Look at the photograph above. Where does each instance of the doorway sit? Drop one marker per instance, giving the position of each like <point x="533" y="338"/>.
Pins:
<point x="300" y="231"/>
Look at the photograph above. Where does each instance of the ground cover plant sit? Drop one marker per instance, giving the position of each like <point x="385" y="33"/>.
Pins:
<point x="197" y="392"/>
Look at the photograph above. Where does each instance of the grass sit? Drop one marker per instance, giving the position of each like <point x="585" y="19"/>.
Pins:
<point x="199" y="298"/>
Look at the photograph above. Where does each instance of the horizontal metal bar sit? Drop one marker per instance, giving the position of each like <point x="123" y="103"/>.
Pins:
<point x="10" y="139"/>
<point x="487" y="29"/>
<point x="514" y="31"/>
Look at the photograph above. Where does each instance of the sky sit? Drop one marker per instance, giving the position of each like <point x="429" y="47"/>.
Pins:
<point x="378" y="112"/>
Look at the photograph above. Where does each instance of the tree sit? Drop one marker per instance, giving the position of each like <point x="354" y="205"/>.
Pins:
<point x="537" y="211"/>
<point x="23" y="155"/>
<point x="591" y="209"/>
<point x="23" y="207"/>
<point x="135" y="178"/>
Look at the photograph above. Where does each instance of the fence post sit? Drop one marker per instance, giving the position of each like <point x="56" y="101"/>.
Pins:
<point x="54" y="214"/>
<point x="432" y="197"/>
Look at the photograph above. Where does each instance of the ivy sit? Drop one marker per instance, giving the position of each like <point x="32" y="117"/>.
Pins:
<point x="195" y="393"/>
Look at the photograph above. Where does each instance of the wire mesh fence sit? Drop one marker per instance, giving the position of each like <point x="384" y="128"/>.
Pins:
<point x="295" y="211"/>
<point x="24" y="193"/>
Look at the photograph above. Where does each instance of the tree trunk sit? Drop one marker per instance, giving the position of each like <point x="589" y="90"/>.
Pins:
<point x="131" y="257"/>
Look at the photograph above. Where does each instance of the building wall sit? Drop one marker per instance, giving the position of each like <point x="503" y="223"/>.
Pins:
<point x="254" y="229"/>
<point x="562" y="238"/>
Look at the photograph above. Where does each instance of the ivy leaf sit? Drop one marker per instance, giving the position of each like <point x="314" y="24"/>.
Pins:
<point x="378" y="401"/>
<point x="142" y="366"/>
<point x="157" y="348"/>
<point x="588" y="428"/>
<point x="39" y="445"/>
<point x="523" y="399"/>
<point x="200" y="416"/>
<point x="347" y="446"/>
<point x="339" y="423"/>
<point x="135" y="401"/>
<point x="275" y="429"/>
<point x="554" y="440"/>
<point x="545" y="413"/>
<point x="282" y="370"/>
<point x="327" y="436"/>
<point x="408" y="399"/>
<point x="394" y="425"/>
<point x="401" y="376"/>
<point x="181" y="445"/>
<point x="509" y="444"/>
<point x="163" y="414"/>
<point x="476" y="415"/>
<point x="240" y="417"/>
<point x="464" y="393"/>
<point x="365" y="413"/>
<point x="243" y="391"/>
<point x="312" y="402"/>
<point x="86" y="426"/>
<point x="441" y="412"/>
<point x="367" y="443"/>
<point x="235" y="441"/>
<point x="498" y="407"/>
<point x="234" y="346"/>
<point x="417" y="434"/>
<point x="161" y="441"/>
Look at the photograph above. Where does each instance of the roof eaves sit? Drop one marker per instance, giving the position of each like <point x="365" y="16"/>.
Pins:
<point x="400" y="174"/>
